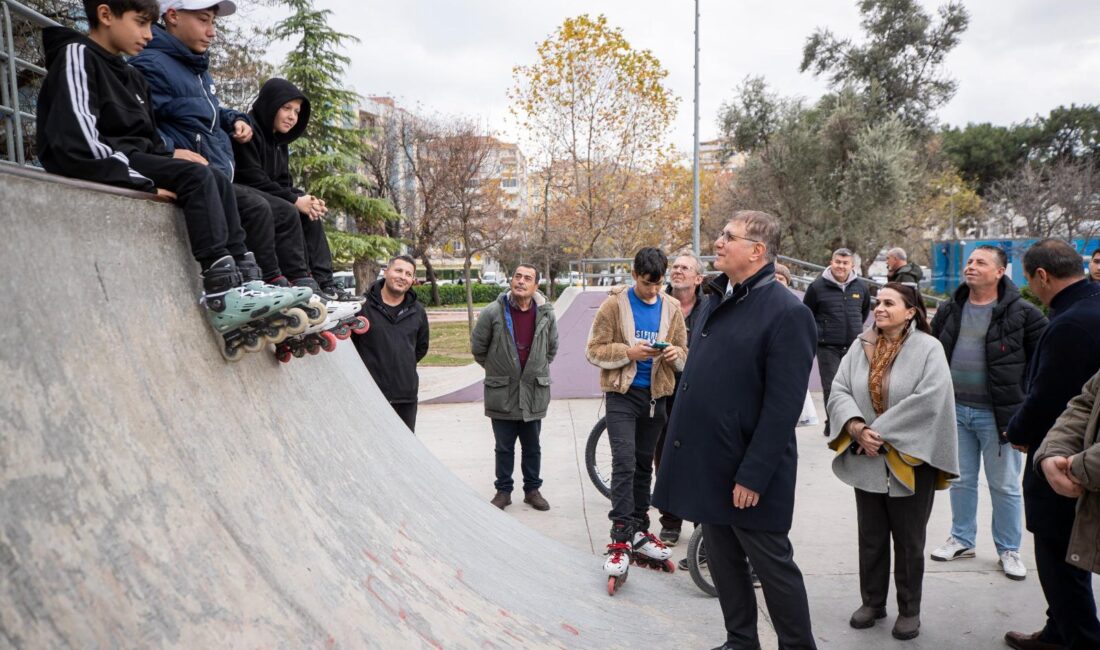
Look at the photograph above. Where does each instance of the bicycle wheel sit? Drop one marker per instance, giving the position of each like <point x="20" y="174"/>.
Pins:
<point x="697" y="563"/>
<point x="597" y="458"/>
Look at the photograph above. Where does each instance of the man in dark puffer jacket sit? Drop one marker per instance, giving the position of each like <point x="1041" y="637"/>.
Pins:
<point x="989" y="334"/>
<point x="840" y="303"/>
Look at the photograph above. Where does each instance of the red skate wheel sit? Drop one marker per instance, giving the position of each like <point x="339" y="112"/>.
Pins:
<point x="362" y="327"/>
<point x="341" y="333"/>
<point x="283" y="355"/>
<point x="328" y="341"/>
<point x="611" y="586"/>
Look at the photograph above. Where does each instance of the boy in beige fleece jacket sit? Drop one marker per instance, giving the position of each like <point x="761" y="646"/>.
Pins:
<point x="638" y="340"/>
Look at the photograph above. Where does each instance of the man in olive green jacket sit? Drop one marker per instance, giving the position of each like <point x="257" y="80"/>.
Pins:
<point x="515" y="339"/>
<point x="1070" y="459"/>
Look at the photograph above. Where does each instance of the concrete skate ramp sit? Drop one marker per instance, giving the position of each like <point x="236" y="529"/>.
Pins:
<point x="153" y="495"/>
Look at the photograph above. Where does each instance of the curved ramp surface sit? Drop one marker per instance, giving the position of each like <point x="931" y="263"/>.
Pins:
<point x="153" y="495"/>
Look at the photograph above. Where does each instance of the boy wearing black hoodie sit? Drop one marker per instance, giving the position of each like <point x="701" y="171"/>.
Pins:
<point x="281" y="115"/>
<point x="95" y="122"/>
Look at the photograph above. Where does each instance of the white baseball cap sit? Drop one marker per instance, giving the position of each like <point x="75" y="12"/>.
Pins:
<point x="220" y="7"/>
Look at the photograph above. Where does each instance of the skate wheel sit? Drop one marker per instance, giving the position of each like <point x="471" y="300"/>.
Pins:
<point x="612" y="586"/>
<point x="328" y="341"/>
<point x="234" y="354"/>
<point x="298" y="352"/>
<point x="341" y="333"/>
<point x="253" y="342"/>
<point x="362" y="327"/>
<point x="315" y="313"/>
<point x="313" y="346"/>
<point x="669" y="567"/>
<point x="275" y="335"/>
<point x="296" y="321"/>
<point x="283" y="355"/>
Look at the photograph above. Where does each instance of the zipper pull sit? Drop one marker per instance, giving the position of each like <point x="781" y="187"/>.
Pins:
<point x="652" y="408"/>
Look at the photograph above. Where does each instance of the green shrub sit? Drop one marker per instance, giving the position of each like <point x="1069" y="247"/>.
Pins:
<point x="455" y="294"/>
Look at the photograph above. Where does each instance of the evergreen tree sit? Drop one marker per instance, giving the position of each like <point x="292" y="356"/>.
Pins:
<point x="327" y="160"/>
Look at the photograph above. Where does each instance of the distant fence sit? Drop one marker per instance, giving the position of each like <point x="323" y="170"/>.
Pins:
<point x="616" y="270"/>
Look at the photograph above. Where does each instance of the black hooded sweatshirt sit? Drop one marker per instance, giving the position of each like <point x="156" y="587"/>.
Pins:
<point x="93" y="113"/>
<point x="263" y="162"/>
<point x="396" y="341"/>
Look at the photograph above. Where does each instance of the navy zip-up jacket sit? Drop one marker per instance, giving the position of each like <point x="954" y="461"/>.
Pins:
<point x="189" y="115"/>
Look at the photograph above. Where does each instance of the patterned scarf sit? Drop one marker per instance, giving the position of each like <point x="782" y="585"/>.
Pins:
<point x="885" y="353"/>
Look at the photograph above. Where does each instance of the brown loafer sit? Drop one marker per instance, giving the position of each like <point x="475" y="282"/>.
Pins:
<point x="1022" y="641"/>
<point x="535" y="500"/>
<point x="865" y="617"/>
<point x="501" y="499"/>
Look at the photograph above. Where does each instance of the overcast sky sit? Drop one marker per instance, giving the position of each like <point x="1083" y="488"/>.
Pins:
<point x="1018" y="58"/>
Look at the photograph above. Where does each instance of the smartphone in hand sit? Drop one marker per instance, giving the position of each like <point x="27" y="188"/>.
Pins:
<point x="659" y="345"/>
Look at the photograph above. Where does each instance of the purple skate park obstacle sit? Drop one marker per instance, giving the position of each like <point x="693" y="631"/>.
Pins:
<point x="153" y="495"/>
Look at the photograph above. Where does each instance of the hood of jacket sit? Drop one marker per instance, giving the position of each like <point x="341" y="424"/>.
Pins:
<point x="375" y="296"/>
<point x="55" y="39"/>
<point x="828" y="275"/>
<point x="174" y="47"/>
<point x="273" y="94"/>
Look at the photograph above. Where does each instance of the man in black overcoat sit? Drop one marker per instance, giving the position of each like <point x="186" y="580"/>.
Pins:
<point x="730" y="455"/>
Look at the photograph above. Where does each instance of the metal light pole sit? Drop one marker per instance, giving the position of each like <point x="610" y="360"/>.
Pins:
<point x="695" y="155"/>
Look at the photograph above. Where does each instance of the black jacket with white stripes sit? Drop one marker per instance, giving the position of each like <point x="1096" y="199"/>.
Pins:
<point x="93" y="113"/>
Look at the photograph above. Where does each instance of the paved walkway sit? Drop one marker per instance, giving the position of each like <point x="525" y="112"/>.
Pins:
<point x="967" y="603"/>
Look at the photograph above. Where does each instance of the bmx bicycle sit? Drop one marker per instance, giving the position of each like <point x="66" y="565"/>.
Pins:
<point x="597" y="460"/>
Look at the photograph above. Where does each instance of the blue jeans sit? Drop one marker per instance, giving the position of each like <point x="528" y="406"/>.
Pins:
<point x="979" y="440"/>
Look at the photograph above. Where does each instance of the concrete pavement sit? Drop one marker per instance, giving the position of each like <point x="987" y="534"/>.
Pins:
<point x="967" y="603"/>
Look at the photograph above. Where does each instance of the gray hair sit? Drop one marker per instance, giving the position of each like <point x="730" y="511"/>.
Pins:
<point x="898" y="253"/>
<point x="841" y="252"/>
<point x="761" y="227"/>
<point x="700" y="268"/>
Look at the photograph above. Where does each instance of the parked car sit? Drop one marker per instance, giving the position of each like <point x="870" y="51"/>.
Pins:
<point x="346" y="280"/>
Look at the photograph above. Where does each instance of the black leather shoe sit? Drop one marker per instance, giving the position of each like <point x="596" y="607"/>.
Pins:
<point x="865" y="617"/>
<point x="1022" y="641"/>
<point x="906" y="627"/>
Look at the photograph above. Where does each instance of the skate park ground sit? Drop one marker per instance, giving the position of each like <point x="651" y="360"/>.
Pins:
<point x="967" y="603"/>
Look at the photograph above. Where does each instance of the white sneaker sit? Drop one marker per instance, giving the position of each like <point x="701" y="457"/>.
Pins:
<point x="1013" y="566"/>
<point x="952" y="549"/>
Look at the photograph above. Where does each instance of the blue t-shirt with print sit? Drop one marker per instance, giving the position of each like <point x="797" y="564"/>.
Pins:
<point x="647" y="322"/>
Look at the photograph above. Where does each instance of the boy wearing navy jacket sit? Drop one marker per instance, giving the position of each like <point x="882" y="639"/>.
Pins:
<point x="195" y="126"/>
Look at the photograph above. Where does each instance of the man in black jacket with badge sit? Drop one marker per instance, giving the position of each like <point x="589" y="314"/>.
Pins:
<point x="840" y="304"/>
<point x="397" y="339"/>
<point x="730" y="456"/>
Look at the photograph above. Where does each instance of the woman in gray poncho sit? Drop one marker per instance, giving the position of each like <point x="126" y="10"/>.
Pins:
<point x="891" y="409"/>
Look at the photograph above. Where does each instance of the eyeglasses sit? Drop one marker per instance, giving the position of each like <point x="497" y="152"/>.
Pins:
<point x="727" y="236"/>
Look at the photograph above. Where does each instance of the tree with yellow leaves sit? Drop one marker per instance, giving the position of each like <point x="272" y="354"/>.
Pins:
<point x="602" y="106"/>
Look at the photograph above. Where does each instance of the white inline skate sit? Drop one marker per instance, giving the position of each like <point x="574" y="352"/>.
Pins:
<point x="617" y="565"/>
<point x="648" y="551"/>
